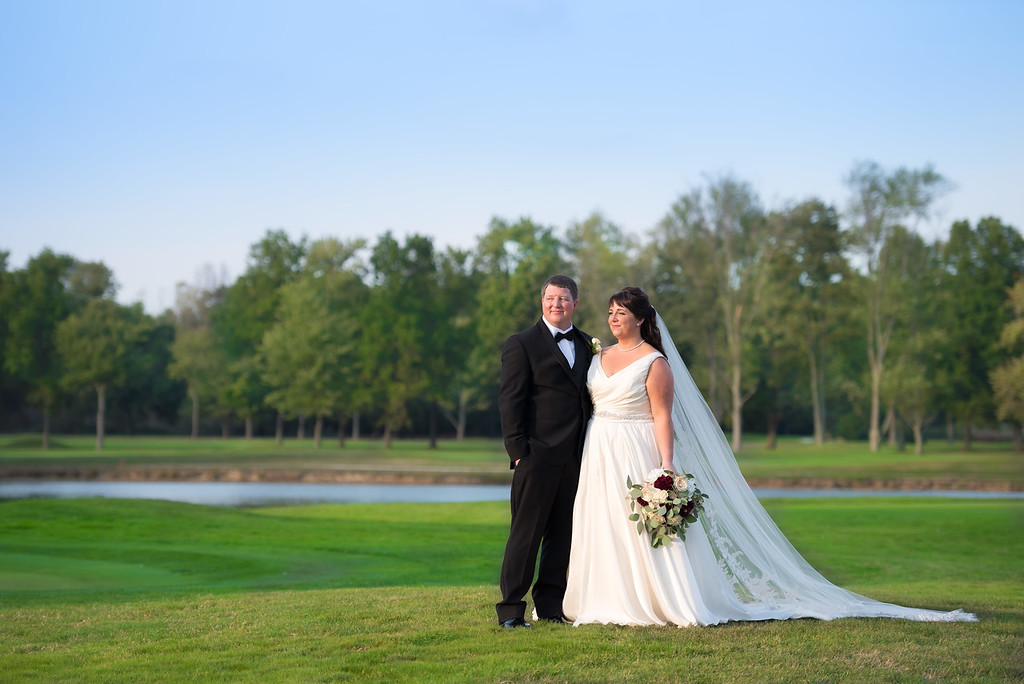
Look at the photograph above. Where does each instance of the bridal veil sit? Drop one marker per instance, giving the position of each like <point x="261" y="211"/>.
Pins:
<point x="768" y="575"/>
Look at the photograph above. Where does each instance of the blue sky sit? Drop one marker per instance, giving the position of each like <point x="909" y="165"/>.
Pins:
<point x="162" y="137"/>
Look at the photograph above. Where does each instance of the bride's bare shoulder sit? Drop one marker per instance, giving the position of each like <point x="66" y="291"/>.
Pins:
<point x="659" y="371"/>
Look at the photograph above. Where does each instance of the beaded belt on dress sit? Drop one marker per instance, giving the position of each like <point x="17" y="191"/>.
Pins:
<point x="624" y="417"/>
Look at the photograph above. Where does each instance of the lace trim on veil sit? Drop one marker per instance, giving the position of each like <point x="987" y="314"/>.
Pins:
<point x="767" y="574"/>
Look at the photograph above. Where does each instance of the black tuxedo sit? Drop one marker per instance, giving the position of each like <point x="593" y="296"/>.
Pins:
<point x="544" y="407"/>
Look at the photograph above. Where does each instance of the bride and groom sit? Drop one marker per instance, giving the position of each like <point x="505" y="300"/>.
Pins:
<point x="577" y="420"/>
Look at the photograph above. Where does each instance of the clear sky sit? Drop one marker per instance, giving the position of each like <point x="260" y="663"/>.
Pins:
<point x="161" y="136"/>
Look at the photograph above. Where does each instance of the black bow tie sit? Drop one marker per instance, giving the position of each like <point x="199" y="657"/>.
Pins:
<point x="559" y="336"/>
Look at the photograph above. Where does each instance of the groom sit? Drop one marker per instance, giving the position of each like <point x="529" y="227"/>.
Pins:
<point x="544" y="407"/>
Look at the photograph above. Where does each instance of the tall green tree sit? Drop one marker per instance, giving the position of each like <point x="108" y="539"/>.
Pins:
<point x="913" y="381"/>
<point x="678" y="267"/>
<point x="94" y="344"/>
<point x="399" y="329"/>
<point x="802" y="306"/>
<point x="881" y="201"/>
<point x="452" y="380"/>
<point x="148" y="395"/>
<point x="244" y="392"/>
<point x="310" y="356"/>
<point x="199" y="362"/>
<point x="777" y="363"/>
<point x="726" y="226"/>
<point x="742" y="240"/>
<point x="980" y="264"/>
<point x="91" y="280"/>
<point x="249" y="305"/>
<point x="197" y="357"/>
<point x="807" y="293"/>
<point x="1008" y="377"/>
<point x="10" y="391"/>
<point x="6" y="304"/>
<point x="36" y="301"/>
<point x="245" y="311"/>
<point x="302" y="356"/>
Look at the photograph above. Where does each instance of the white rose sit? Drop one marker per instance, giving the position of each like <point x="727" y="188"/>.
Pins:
<point x="655" y="474"/>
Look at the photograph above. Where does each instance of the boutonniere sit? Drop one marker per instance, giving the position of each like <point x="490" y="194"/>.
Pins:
<point x="595" y="345"/>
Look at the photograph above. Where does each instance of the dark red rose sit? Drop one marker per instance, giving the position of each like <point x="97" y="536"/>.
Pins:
<point x="664" y="482"/>
<point x="640" y="500"/>
<point x="686" y="509"/>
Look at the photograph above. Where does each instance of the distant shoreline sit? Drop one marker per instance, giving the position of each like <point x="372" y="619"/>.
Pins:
<point x="352" y="474"/>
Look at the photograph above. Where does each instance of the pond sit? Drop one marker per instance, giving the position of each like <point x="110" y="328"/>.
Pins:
<point x="286" y="493"/>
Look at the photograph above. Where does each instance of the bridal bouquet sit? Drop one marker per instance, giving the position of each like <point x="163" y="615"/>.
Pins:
<point x="664" y="504"/>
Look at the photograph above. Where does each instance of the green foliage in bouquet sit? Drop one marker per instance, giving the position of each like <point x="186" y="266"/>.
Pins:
<point x="664" y="504"/>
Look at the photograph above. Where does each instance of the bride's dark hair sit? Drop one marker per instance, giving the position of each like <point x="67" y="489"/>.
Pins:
<point x="639" y="304"/>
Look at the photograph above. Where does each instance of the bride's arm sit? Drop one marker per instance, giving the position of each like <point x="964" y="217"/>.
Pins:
<point x="659" y="390"/>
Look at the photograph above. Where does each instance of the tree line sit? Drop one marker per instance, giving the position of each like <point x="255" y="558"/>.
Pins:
<point x="804" y="319"/>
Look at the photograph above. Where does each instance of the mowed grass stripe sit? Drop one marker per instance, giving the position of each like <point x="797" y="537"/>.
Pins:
<point x="405" y="593"/>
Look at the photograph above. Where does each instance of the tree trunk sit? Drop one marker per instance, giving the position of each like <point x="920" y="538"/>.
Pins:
<point x="737" y="407"/>
<point x="195" y="413"/>
<point x="1018" y="438"/>
<point x="101" y="412"/>
<point x="248" y="427"/>
<point x="949" y="428"/>
<point x="460" y="428"/>
<point x="302" y="427"/>
<point x="225" y="429"/>
<point x="318" y="431"/>
<point x="890" y="420"/>
<point x="341" y="430"/>
<point x="279" y="429"/>
<point x="816" y="400"/>
<point x="918" y="437"/>
<point x="432" y="426"/>
<point x="46" y="426"/>
<point x="387" y="436"/>
<point x="355" y="425"/>
<point x="968" y="427"/>
<point x="714" y="398"/>
<point x="874" y="434"/>
<point x="771" y="439"/>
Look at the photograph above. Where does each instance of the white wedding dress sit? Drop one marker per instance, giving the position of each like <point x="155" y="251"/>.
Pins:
<point x="735" y="564"/>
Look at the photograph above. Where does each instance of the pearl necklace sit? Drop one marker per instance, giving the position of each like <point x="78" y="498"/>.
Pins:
<point x="624" y="351"/>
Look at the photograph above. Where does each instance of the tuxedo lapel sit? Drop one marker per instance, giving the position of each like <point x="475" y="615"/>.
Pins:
<point x="549" y="343"/>
<point x="579" y="369"/>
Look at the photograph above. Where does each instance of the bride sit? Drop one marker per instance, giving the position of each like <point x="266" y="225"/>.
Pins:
<point x="734" y="564"/>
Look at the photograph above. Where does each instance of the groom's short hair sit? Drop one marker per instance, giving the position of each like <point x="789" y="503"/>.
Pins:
<point x="562" y="281"/>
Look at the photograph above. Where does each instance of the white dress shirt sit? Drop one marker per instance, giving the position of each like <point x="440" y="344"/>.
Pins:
<point x="567" y="347"/>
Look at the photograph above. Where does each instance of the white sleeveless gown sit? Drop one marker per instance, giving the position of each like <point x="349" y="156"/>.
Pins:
<point x="615" y="577"/>
<point x="614" y="574"/>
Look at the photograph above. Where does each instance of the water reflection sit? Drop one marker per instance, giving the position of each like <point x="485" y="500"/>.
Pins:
<point x="286" y="493"/>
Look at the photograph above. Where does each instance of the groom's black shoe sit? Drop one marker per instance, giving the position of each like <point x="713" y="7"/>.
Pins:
<point x="515" y="623"/>
<point x="558" y="619"/>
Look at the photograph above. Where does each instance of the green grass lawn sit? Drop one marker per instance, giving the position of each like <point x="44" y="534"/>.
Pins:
<point x="992" y="465"/>
<point x="131" y="590"/>
<point x="25" y="449"/>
